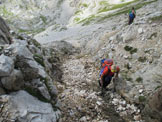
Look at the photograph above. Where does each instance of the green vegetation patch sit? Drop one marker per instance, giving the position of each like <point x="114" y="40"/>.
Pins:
<point x="153" y="35"/>
<point x="5" y="11"/>
<point x="158" y="87"/>
<point x="116" y="6"/>
<point x="104" y="3"/>
<point x="78" y="12"/>
<point x="134" y="50"/>
<point x="126" y="77"/>
<point x="1" y="48"/>
<point x="39" y="59"/>
<point x="142" y="99"/>
<point x="125" y="9"/>
<point x="130" y="49"/>
<point x="87" y="20"/>
<point x="85" y="5"/>
<point x="142" y="59"/>
<point x="156" y="18"/>
<point x="33" y="31"/>
<point x="36" y="93"/>
<point x="36" y="43"/>
<point x="139" y="79"/>
<point x="76" y="19"/>
<point x="43" y="18"/>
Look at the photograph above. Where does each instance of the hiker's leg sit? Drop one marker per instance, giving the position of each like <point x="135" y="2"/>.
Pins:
<point x="99" y="82"/>
<point x="107" y="81"/>
<point x="129" y="20"/>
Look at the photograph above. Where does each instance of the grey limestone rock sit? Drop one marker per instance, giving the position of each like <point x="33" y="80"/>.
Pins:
<point x="5" y="37"/>
<point x="14" y="81"/>
<point x="22" y="107"/>
<point x="6" y="65"/>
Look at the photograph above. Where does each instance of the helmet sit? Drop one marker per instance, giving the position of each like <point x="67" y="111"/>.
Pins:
<point x="113" y="69"/>
<point x="108" y="62"/>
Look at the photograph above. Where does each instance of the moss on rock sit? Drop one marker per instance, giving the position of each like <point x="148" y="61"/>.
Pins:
<point x="39" y="59"/>
<point x="36" y="93"/>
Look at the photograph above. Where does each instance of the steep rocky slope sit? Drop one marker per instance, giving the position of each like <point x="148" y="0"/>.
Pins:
<point x="135" y="48"/>
<point x="74" y="48"/>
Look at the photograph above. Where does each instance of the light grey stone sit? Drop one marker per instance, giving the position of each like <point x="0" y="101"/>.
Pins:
<point x="44" y="91"/>
<point x="140" y="30"/>
<point x="24" y="107"/>
<point x="6" y="65"/>
<point x="13" y="82"/>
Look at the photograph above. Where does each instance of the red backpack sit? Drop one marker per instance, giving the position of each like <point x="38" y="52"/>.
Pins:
<point x="104" y="63"/>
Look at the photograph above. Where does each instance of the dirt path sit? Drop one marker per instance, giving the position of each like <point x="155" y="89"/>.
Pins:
<point x="80" y="97"/>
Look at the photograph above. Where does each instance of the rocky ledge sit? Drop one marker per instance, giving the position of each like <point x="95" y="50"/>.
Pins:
<point x="27" y="90"/>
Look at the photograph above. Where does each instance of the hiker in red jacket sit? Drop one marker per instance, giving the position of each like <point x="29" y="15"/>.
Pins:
<point x="108" y="71"/>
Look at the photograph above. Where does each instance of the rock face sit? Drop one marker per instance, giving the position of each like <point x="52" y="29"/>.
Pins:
<point x="22" y="107"/>
<point x="153" y="109"/>
<point x="135" y="48"/>
<point x="5" y="37"/>
<point x="6" y="65"/>
<point x="25" y="75"/>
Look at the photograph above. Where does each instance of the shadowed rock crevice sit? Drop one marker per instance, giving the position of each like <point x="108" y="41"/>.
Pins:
<point x="5" y="37"/>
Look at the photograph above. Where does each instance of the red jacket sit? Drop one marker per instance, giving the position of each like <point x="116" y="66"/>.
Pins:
<point x="107" y="71"/>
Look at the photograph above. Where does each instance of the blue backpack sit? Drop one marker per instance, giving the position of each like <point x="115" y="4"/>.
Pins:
<point x="131" y="15"/>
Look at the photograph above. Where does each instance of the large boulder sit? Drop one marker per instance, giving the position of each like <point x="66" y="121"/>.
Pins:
<point x="153" y="109"/>
<point x="22" y="107"/>
<point x="24" y="60"/>
<point x="14" y="81"/>
<point x="6" y="65"/>
<point x="5" y="37"/>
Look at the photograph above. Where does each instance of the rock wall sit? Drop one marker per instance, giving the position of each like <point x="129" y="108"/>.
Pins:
<point x="5" y="37"/>
<point x="27" y="90"/>
<point x="153" y="109"/>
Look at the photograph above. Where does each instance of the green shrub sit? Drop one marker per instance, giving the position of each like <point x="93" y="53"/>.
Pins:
<point x="76" y="19"/>
<point x="37" y="44"/>
<point x="77" y="12"/>
<point x="129" y="79"/>
<point x="39" y="59"/>
<point x="142" y="59"/>
<point x="158" y="87"/>
<point x="85" y="5"/>
<point x="43" y="18"/>
<point x="134" y="50"/>
<point x="103" y="3"/>
<point x="142" y="99"/>
<point x="156" y="18"/>
<point x="128" y="48"/>
<point x="139" y="79"/>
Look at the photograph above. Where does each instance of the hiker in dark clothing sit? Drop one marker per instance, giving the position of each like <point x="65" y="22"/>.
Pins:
<point x="132" y="15"/>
